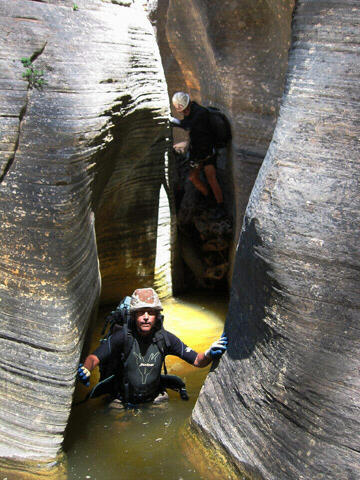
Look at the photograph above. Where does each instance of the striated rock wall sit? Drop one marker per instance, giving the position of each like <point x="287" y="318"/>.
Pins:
<point x="284" y="401"/>
<point x="86" y="148"/>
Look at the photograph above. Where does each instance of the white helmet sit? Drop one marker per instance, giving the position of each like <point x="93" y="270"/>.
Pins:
<point x="145" y="298"/>
<point x="180" y="101"/>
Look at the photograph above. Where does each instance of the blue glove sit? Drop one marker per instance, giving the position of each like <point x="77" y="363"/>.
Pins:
<point x="218" y="347"/>
<point x="84" y="375"/>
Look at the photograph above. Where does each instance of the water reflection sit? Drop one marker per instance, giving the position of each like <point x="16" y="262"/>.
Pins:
<point x="11" y="469"/>
<point x="108" y="444"/>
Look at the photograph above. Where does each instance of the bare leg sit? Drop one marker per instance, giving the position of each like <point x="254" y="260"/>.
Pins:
<point x="210" y="173"/>
<point x="194" y="178"/>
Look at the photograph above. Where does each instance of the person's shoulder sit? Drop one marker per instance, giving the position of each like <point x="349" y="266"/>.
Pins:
<point x="113" y="341"/>
<point x="199" y="111"/>
<point x="178" y="348"/>
<point x="200" y="108"/>
<point x="117" y="335"/>
<point x="169" y="334"/>
<point x="172" y="338"/>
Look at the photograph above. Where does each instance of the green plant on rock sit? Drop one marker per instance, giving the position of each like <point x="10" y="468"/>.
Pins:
<point x="33" y="76"/>
<point x="75" y="7"/>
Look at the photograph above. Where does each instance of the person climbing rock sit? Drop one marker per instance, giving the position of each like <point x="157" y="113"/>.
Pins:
<point x="202" y="153"/>
<point x="139" y="350"/>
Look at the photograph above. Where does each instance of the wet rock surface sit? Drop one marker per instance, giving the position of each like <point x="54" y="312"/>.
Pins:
<point x="85" y="147"/>
<point x="284" y="400"/>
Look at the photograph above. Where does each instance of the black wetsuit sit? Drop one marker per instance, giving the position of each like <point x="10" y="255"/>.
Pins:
<point x="143" y="363"/>
<point x="201" y="136"/>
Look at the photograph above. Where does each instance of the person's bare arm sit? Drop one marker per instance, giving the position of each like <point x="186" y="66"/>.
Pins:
<point x="91" y="362"/>
<point x="84" y="370"/>
<point x="215" y="351"/>
<point x="202" y="360"/>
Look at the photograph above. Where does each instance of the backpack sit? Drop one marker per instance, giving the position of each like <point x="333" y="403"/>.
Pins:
<point x="112" y="371"/>
<point x="220" y="127"/>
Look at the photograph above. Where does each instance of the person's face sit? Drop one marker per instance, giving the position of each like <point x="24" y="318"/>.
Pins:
<point x="145" y="320"/>
<point x="186" y="111"/>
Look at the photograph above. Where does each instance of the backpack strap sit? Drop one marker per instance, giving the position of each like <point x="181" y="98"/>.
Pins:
<point x="128" y="343"/>
<point x="163" y="343"/>
<point x="161" y="332"/>
<point x="127" y="346"/>
<point x="166" y="338"/>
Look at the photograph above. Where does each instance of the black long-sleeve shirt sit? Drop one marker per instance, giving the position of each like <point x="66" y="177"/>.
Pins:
<point x="114" y="346"/>
<point x="201" y="135"/>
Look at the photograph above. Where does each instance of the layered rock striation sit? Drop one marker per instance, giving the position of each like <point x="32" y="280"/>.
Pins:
<point x="84" y="188"/>
<point x="284" y="401"/>
<point x="82" y="145"/>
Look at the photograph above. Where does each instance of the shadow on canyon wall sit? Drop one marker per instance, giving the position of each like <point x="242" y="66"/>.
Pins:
<point x="252" y="290"/>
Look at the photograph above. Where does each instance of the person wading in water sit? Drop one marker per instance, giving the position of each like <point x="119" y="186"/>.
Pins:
<point x="138" y="351"/>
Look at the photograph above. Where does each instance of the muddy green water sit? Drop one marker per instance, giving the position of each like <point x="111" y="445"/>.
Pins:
<point x="107" y="444"/>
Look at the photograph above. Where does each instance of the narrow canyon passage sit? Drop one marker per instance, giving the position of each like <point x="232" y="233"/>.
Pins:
<point x="87" y="215"/>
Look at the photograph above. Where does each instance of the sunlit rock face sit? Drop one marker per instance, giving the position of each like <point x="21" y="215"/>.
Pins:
<point x="233" y="55"/>
<point x="86" y="148"/>
<point x="284" y="401"/>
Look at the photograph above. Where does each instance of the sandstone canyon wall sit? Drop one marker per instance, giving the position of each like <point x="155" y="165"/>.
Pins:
<point x="87" y="150"/>
<point x="284" y="401"/>
<point x="87" y="147"/>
